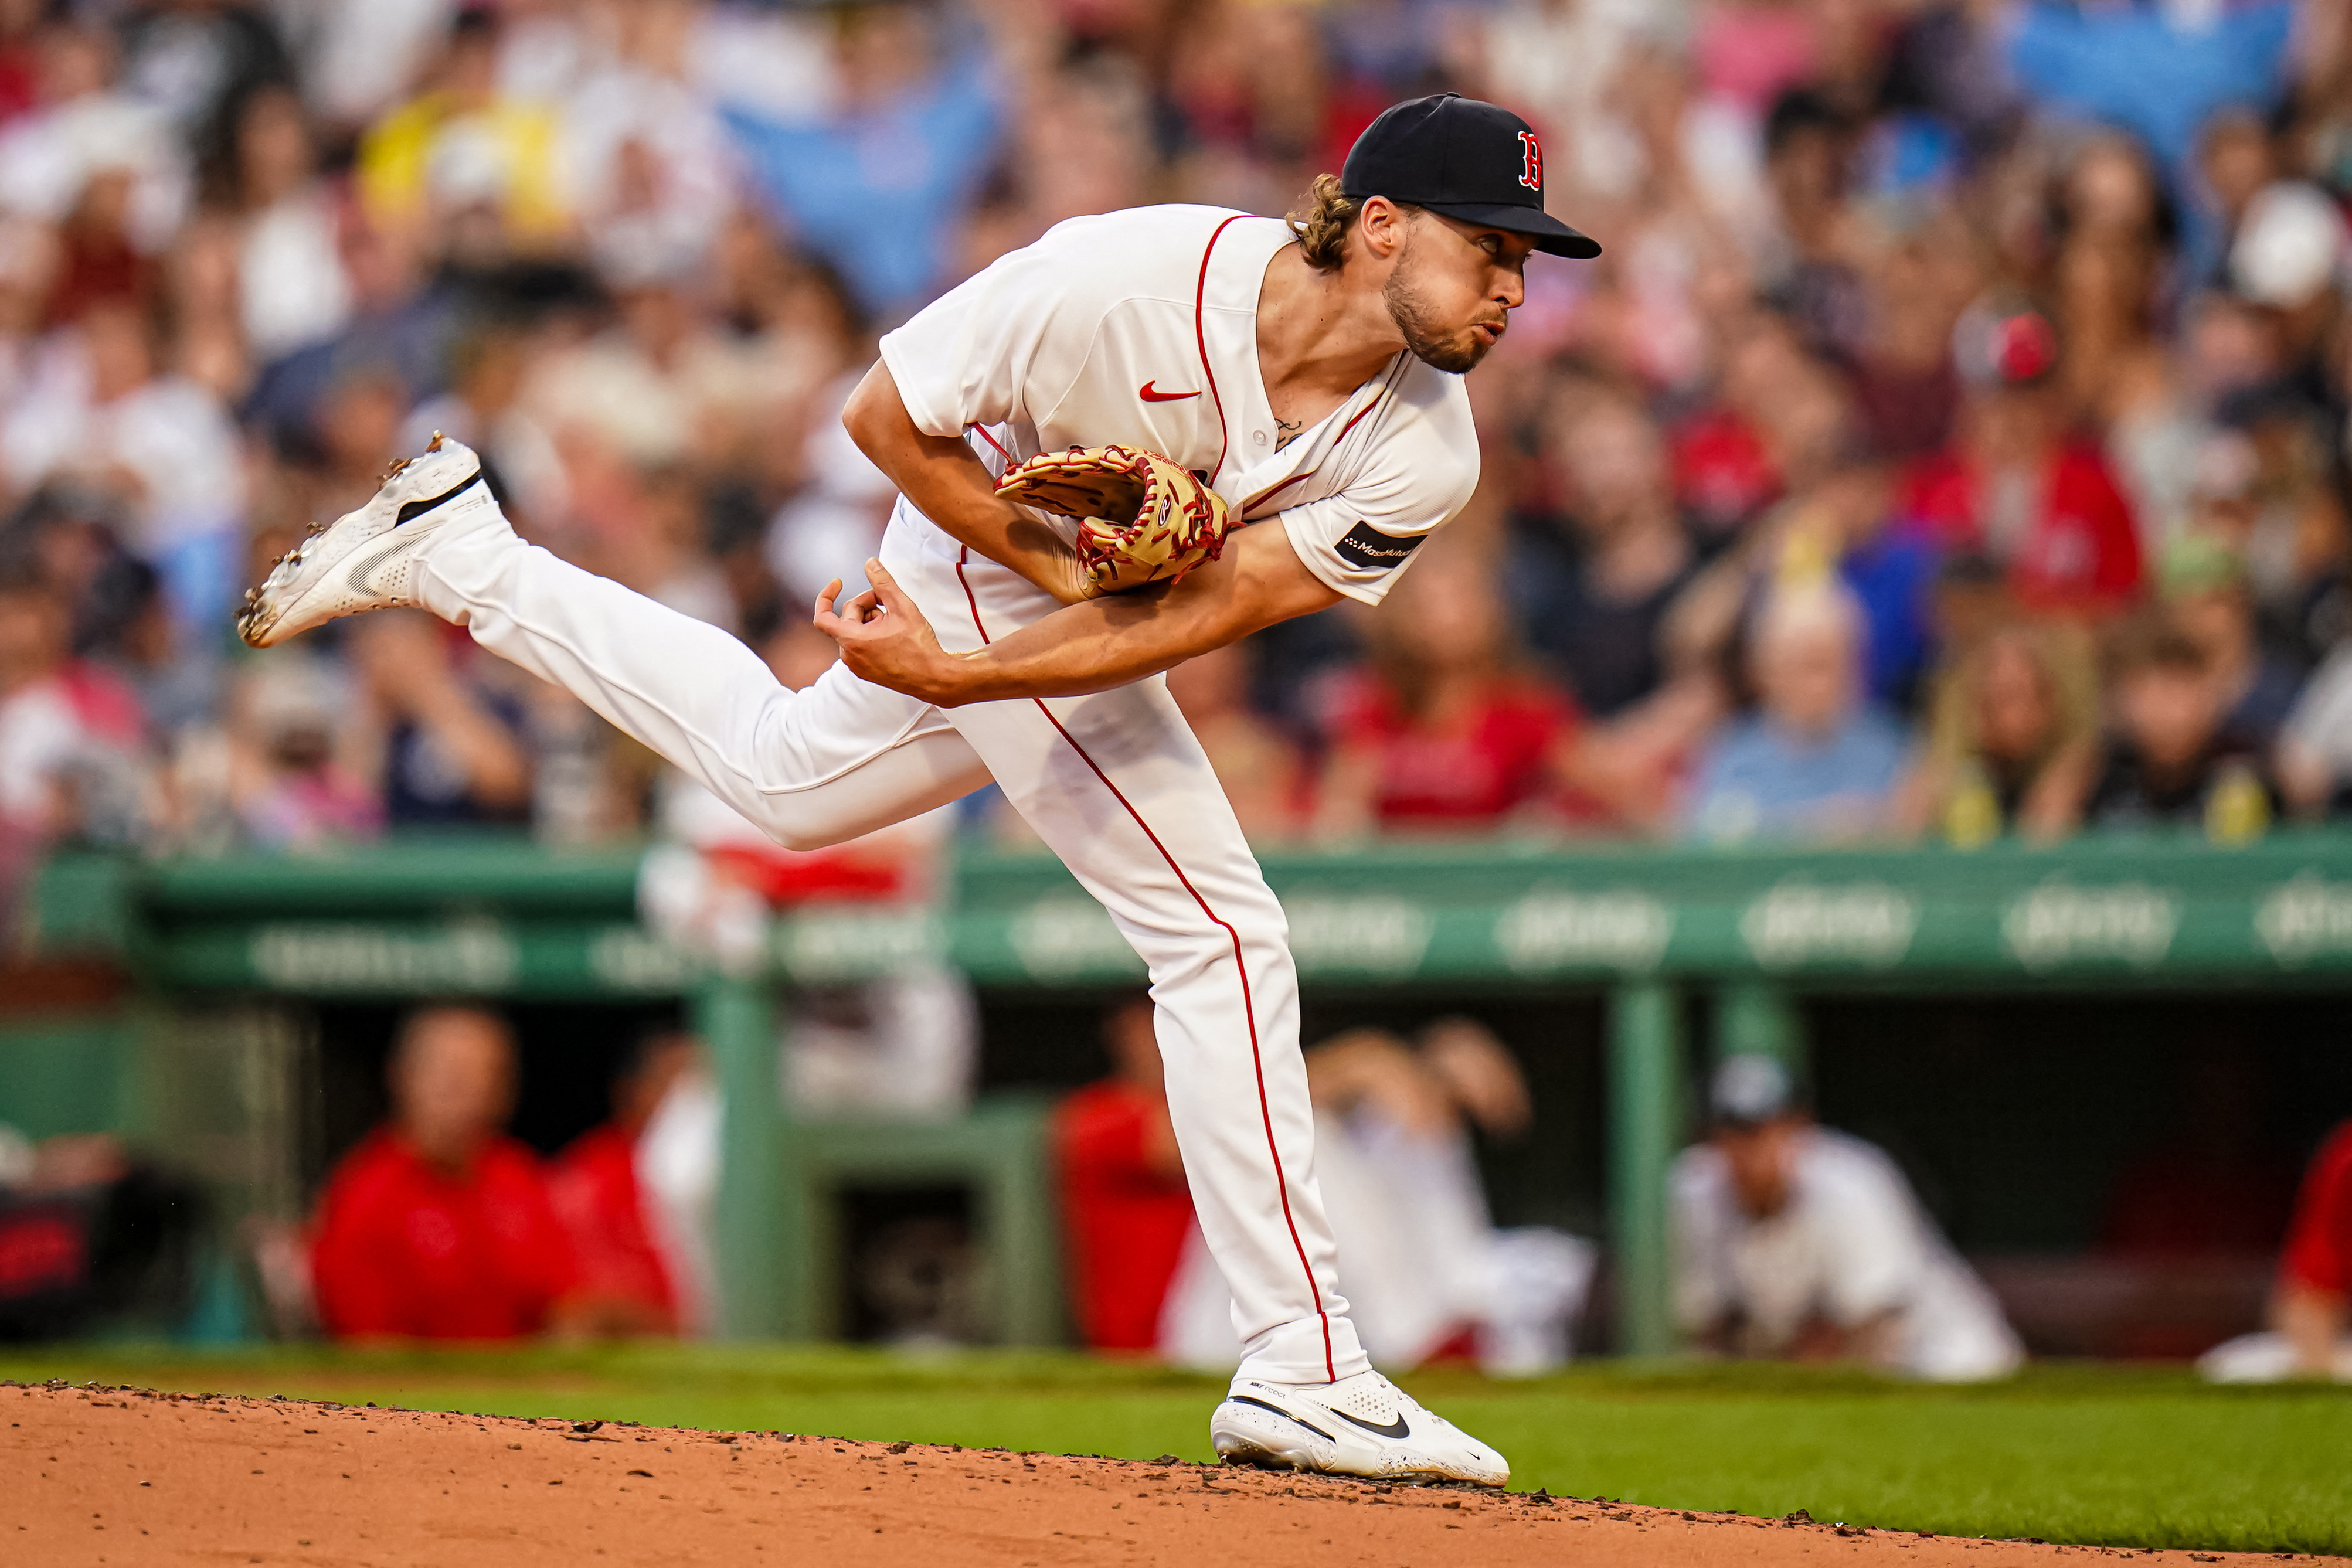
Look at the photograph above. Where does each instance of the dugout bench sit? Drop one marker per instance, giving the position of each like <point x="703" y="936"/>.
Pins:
<point x="1755" y="929"/>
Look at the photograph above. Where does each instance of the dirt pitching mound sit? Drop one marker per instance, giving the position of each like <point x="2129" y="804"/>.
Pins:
<point x="123" y="1475"/>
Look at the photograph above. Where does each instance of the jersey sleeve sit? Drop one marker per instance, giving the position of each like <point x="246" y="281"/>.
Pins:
<point x="1358" y="540"/>
<point x="968" y="357"/>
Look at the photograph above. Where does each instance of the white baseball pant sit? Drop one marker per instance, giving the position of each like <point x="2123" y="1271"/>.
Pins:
<point x="1114" y="783"/>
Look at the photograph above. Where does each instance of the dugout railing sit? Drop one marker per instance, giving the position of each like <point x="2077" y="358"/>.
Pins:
<point x="1755" y="929"/>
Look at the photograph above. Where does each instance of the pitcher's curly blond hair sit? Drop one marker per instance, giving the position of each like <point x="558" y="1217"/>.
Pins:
<point x="1323" y="220"/>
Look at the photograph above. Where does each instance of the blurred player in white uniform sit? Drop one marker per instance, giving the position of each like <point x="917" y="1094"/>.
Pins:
<point x="1310" y="375"/>
<point x="1792" y="1241"/>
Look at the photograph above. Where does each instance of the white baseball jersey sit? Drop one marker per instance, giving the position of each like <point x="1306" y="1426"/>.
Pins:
<point x="1141" y="327"/>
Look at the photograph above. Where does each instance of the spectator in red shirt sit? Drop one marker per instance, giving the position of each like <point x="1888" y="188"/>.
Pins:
<point x="2316" y="1272"/>
<point x="1778" y="416"/>
<point x="438" y="1226"/>
<point x="1125" y="1207"/>
<point x="1441" y="734"/>
<point x="625" y="1278"/>
<point x="2018" y="487"/>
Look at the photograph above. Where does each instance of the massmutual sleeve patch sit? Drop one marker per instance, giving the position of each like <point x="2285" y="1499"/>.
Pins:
<point x="1360" y="537"/>
<point x="1367" y="548"/>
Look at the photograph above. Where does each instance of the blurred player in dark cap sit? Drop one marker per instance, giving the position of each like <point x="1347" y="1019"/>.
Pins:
<point x="1794" y="1241"/>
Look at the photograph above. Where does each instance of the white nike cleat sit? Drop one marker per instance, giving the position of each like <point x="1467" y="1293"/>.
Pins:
<point x="366" y="560"/>
<point x="1360" y="1425"/>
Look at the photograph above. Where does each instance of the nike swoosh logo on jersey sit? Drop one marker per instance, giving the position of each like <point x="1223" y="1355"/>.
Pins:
<point x="1396" y="1428"/>
<point x="1149" y="392"/>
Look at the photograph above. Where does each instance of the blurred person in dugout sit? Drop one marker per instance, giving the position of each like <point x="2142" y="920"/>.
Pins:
<point x="1816" y="759"/>
<point x="635" y="1192"/>
<point x="1125" y="1207"/>
<point x="2311" y="1305"/>
<point x="438" y="1226"/>
<point x="1429" y="1275"/>
<point x="90" y="1230"/>
<point x="903" y="1044"/>
<point x="1792" y="1241"/>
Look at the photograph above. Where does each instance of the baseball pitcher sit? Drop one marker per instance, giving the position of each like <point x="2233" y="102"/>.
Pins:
<point x="1144" y="436"/>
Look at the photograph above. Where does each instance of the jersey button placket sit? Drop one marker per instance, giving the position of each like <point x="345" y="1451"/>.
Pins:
<point x="1258" y="436"/>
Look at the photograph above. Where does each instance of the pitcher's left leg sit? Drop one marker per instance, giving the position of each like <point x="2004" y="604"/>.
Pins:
<point x="1117" y="787"/>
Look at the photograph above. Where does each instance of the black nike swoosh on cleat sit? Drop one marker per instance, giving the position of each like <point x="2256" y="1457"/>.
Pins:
<point x="1396" y="1428"/>
<point x="1245" y="1399"/>
<point x="418" y="507"/>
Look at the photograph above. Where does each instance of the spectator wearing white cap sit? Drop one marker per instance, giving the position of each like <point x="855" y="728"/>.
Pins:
<point x="1795" y="1242"/>
<point x="2289" y="247"/>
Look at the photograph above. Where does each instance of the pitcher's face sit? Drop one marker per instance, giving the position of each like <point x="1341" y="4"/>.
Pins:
<point x="1454" y="287"/>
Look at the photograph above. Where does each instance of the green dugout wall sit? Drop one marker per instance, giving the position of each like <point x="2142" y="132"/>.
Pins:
<point x="1648" y="928"/>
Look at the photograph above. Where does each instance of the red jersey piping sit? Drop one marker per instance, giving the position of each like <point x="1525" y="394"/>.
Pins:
<point x="1263" y="496"/>
<point x="981" y="430"/>
<point x="1201" y="340"/>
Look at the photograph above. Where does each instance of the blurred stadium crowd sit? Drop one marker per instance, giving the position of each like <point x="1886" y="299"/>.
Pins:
<point x="1951" y="441"/>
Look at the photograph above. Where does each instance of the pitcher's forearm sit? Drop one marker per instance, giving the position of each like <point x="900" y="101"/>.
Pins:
<point x="1091" y="647"/>
<point x="1122" y="637"/>
<point x="947" y="482"/>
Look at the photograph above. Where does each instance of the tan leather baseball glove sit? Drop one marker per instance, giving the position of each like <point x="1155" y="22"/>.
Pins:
<point x="1141" y="519"/>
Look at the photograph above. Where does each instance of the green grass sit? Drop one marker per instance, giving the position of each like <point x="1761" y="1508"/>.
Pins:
<point x="2096" y="1455"/>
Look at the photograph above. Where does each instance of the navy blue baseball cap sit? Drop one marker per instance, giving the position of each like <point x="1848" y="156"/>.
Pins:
<point x="1468" y="160"/>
